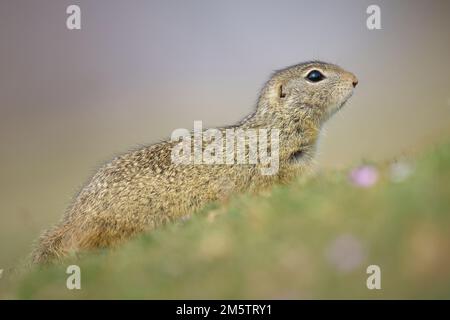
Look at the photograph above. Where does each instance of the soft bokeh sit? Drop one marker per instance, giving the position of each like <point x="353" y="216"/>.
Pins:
<point x="70" y="100"/>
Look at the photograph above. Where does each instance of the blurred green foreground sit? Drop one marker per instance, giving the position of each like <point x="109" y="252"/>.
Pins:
<point x="312" y="239"/>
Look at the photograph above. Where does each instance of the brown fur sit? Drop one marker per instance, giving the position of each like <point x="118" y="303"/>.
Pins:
<point x="143" y="189"/>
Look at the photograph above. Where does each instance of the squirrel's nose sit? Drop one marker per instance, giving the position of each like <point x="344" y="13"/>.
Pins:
<point x="351" y="77"/>
<point x="354" y="80"/>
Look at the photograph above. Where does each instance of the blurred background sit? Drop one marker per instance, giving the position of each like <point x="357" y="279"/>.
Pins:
<point x="72" y="99"/>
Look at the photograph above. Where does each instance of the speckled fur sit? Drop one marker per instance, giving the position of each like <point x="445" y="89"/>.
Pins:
<point x="141" y="190"/>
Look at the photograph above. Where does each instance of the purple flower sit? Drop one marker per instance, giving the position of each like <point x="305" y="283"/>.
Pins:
<point x="364" y="176"/>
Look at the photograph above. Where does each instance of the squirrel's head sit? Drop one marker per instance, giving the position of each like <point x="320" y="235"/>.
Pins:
<point x="317" y="88"/>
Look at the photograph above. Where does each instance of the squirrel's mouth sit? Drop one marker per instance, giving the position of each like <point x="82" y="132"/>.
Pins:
<point x="336" y="108"/>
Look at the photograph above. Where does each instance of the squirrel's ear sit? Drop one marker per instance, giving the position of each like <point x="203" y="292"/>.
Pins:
<point x="281" y="93"/>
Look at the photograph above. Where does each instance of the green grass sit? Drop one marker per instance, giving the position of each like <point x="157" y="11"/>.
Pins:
<point x="278" y="245"/>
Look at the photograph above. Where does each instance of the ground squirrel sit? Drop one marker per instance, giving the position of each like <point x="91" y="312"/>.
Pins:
<point x="141" y="190"/>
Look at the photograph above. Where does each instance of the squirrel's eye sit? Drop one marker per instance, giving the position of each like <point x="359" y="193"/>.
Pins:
<point x="315" y="76"/>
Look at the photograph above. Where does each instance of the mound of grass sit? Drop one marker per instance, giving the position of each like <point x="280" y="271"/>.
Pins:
<point x="311" y="239"/>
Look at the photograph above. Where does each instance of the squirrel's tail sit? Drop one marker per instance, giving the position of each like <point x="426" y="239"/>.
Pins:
<point x="50" y="246"/>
